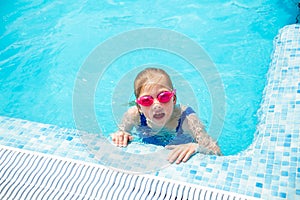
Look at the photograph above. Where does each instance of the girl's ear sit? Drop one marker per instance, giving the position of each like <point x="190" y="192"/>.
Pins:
<point x="174" y="99"/>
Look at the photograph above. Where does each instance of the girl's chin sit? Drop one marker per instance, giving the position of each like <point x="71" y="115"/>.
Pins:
<point x="158" y="124"/>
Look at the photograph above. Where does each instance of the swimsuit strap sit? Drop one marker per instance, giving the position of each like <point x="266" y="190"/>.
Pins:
<point x="185" y="113"/>
<point x="143" y="120"/>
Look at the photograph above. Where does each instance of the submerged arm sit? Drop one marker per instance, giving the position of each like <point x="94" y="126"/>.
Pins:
<point x="206" y="144"/>
<point x="129" y="120"/>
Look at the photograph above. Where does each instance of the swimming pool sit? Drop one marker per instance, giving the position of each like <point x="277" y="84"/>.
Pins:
<point x="269" y="169"/>
<point x="39" y="63"/>
<point x="279" y="177"/>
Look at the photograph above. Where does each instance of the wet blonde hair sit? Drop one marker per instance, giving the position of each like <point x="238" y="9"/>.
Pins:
<point x="148" y="77"/>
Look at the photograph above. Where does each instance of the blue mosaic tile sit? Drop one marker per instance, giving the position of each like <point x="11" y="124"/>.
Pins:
<point x="224" y="166"/>
<point x="260" y="185"/>
<point x="282" y="195"/>
<point x="260" y="175"/>
<point x="69" y="138"/>
<point x="257" y="195"/>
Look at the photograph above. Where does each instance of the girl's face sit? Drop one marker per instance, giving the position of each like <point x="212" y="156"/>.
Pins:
<point x="158" y="114"/>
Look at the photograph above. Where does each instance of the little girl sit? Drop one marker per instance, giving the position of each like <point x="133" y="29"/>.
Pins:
<point x="158" y="120"/>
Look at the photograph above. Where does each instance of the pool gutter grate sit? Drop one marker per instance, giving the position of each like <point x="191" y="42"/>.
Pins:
<point x="30" y="175"/>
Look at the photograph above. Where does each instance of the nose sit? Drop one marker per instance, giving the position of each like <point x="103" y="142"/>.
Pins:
<point x="156" y="104"/>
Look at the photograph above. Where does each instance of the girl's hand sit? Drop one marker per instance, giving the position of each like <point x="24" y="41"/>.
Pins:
<point x="181" y="152"/>
<point x="121" y="138"/>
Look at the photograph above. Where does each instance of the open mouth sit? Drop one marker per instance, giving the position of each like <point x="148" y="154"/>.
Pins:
<point x="158" y="115"/>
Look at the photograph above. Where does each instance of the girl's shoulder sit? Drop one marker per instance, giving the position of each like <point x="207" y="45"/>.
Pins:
<point x="181" y="112"/>
<point x="131" y="116"/>
<point x="133" y="113"/>
<point x="133" y="110"/>
<point x="183" y="108"/>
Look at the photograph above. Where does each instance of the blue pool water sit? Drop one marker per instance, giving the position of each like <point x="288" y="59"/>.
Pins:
<point x="44" y="44"/>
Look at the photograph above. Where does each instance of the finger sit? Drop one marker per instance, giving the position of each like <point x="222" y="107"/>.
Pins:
<point x="130" y="137"/>
<point x="181" y="156"/>
<point x="125" y="140"/>
<point x="116" y="140"/>
<point x="115" y="137"/>
<point x="170" y="147"/>
<point x="188" y="155"/>
<point x="174" y="155"/>
<point x="119" y="141"/>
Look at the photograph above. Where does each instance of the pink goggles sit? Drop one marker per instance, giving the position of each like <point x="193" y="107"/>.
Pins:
<point x="163" y="97"/>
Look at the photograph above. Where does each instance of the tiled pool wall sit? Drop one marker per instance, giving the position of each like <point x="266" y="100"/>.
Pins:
<point x="269" y="169"/>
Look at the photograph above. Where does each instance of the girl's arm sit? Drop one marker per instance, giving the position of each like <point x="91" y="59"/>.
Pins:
<point x="205" y="143"/>
<point x="129" y="120"/>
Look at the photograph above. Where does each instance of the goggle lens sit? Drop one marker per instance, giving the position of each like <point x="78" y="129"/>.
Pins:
<point x="163" y="97"/>
<point x="145" y="100"/>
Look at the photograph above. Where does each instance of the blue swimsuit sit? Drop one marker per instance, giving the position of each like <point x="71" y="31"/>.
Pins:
<point x="144" y="131"/>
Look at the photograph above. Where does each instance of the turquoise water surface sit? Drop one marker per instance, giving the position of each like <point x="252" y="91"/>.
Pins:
<point x="43" y="45"/>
